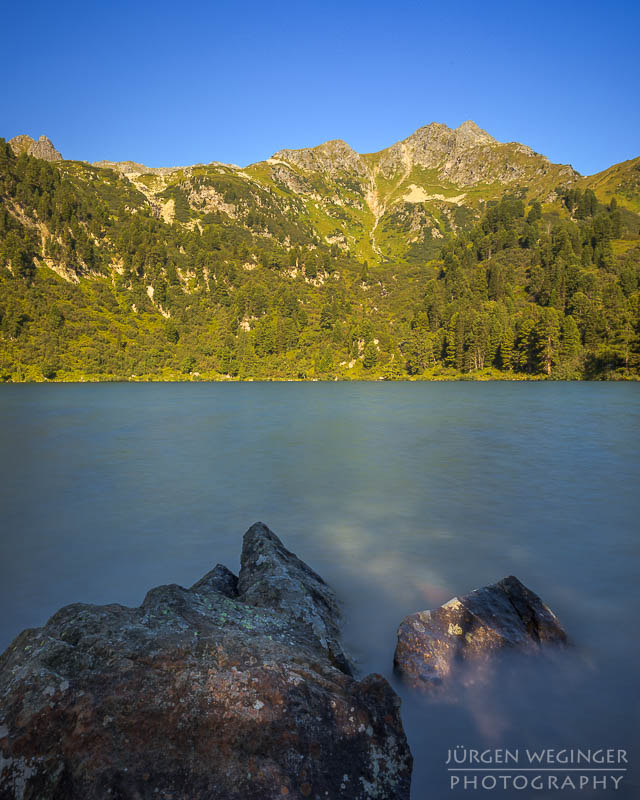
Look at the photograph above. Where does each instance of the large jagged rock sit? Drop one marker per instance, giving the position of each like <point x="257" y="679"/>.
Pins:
<point x="432" y="644"/>
<point x="230" y="690"/>
<point x="272" y="577"/>
<point x="43" y="148"/>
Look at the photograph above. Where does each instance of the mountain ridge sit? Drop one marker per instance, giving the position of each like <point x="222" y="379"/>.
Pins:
<point x="447" y="253"/>
<point x="468" y="132"/>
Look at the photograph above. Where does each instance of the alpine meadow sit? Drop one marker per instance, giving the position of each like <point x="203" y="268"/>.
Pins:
<point x="448" y="255"/>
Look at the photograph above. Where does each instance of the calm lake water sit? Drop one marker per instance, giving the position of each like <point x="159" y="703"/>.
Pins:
<point x="399" y="495"/>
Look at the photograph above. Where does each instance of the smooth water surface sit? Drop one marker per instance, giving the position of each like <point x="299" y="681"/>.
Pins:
<point x="399" y="495"/>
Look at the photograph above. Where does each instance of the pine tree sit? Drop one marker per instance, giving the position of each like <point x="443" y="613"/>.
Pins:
<point x="506" y="349"/>
<point x="370" y="356"/>
<point x="570" y="339"/>
<point x="524" y="345"/>
<point x="546" y="337"/>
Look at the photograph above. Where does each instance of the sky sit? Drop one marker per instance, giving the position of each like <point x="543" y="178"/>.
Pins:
<point x="172" y="83"/>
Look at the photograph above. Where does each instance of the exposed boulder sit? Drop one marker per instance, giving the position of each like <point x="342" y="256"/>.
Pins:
<point x="230" y="690"/>
<point x="432" y="644"/>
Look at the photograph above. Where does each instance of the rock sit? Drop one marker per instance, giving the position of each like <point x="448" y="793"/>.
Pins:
<point x="332" y="158"/>
<point x="431" y="644"/>
<point x="230" y="690"/>
<point x="220" y="579"/>
<point x="272" y="577"/>
<point x="43" y="148"/>
<point x="283" y="174"/>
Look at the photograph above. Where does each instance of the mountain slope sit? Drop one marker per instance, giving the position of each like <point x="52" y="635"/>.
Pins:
<point x="447" y="253"/>
<point x="621" y="181"/>
<point x="435" y="181"/>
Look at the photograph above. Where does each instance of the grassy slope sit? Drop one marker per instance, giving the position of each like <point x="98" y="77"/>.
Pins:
<point x="621" y="181"/>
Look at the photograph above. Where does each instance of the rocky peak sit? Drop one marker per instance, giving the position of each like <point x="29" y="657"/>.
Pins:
<point x="21" y="143"/>
<point x="432" y="146"/>
<point x="272" y="577"/>
<point x="43" y="148"/>
<point x="463" y="156"/>
<point x="330" y="157"/>
<point x="469" y="134"/>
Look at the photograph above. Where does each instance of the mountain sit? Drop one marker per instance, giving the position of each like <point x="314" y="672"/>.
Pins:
<point x="430" y="183"/>
<point x="446" y="254"/>
<point x="420" y="184"/>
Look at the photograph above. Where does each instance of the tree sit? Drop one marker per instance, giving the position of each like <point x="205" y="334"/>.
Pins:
<point x="478" y="341"/>
<point x="524" y="357"/>
<point x="535" y="213"/>
<point x="546" y="337"/>
<point x="506" y="349"/>
<point x="570" y="339"/>
<point x="626" y="341"/>
<point x="392" y="371"/>
<point x="17" y="251"/>
<point x="328" y="317"/>
<point x="188" y="365"/>
<point x="455" y="341"/>
<point x="419" y="350"/>
<point x="172" y="333"/>
<point x="370" y="358"/>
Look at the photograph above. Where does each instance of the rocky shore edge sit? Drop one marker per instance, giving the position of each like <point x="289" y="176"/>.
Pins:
<point x="235" y="689"/>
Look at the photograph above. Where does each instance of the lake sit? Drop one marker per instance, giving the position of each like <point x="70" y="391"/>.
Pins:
<point x="401" y="495"/>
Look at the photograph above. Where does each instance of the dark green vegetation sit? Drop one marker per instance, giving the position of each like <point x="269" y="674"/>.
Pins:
<point x="321" y="264"/>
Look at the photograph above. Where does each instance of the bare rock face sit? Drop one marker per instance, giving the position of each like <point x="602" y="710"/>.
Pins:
<point x="433" y="145"/>
<point x="463" y="156"/>
<point x="330" y="157"/>
<point x="282" y="173"/>
<point x="431" y="644"/>
<point x="43" y="148"/>
<point x="234" y="689"/>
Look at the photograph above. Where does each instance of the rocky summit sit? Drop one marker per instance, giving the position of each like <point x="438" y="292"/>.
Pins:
<point x="43" y="148"/>
<point x="235" y="689"/>
<point x="467" y="630"/>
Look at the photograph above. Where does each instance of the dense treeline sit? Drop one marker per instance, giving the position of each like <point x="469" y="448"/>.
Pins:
<point x="94" y="284"/>
<point x="534" y="293"/>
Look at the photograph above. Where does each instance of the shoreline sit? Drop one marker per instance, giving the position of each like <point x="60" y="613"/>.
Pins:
<point x="455" y="378"/>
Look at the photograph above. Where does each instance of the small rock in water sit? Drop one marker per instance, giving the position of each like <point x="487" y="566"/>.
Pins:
<point x="466" y="629"/>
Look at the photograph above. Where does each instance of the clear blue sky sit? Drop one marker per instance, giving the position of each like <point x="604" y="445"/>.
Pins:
<point x="171" y="83"/>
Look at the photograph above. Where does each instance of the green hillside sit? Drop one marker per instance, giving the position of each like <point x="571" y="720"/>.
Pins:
<point x="621" y="181"/>
<point x="447" y="255"/>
